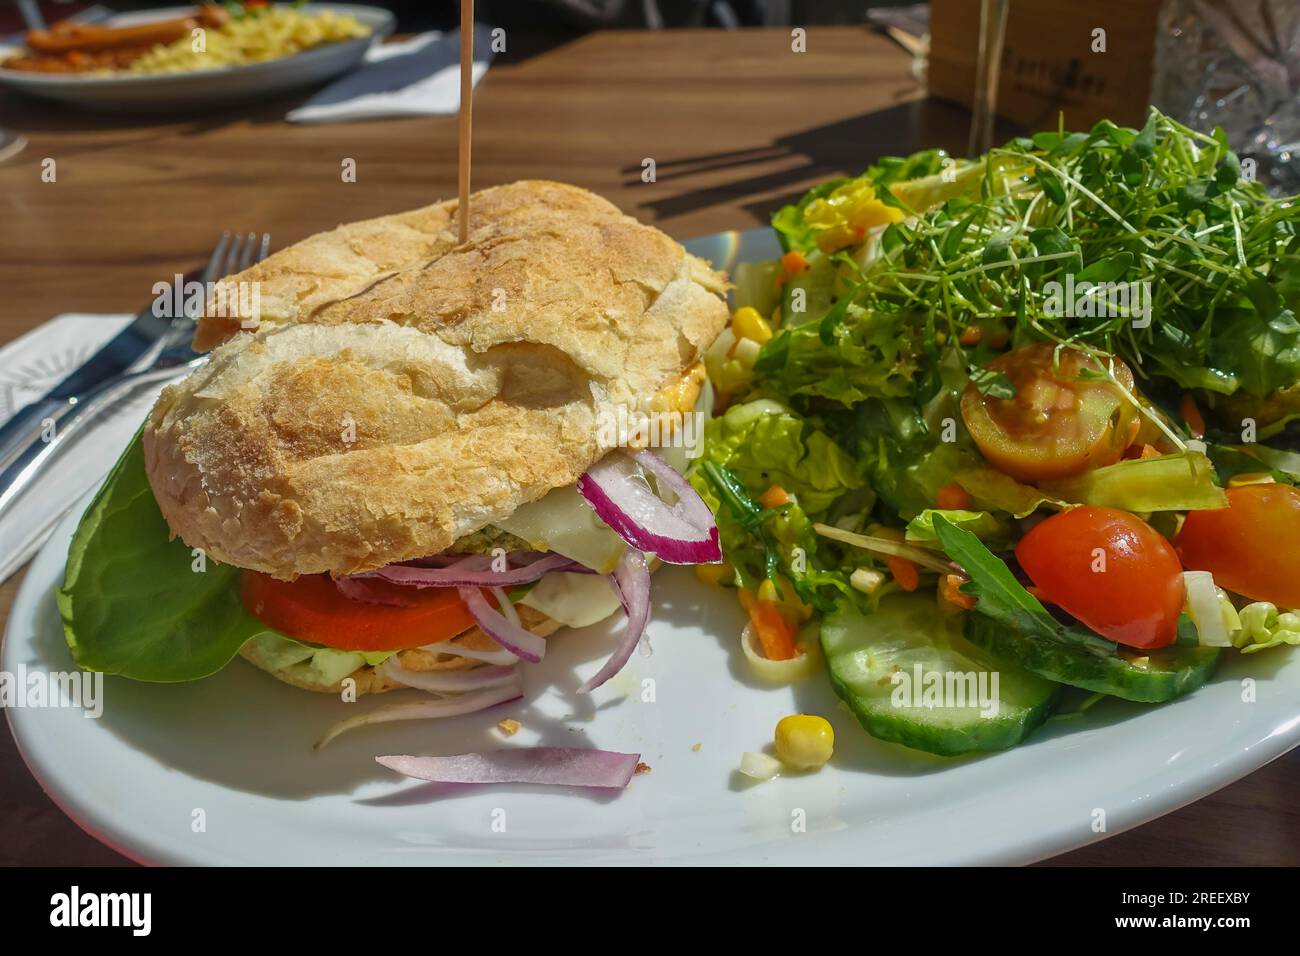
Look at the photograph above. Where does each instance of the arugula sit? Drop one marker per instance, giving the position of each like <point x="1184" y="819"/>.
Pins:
<point x="131" y="602"/>
<point x="1001" y="597"/>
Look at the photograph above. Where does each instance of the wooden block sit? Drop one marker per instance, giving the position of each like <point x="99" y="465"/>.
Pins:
<point x="1049" y="64"/>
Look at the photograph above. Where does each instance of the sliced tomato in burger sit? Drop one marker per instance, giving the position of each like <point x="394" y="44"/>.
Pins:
<point x="1065" y="418"/>
<point x="313" y="609"/>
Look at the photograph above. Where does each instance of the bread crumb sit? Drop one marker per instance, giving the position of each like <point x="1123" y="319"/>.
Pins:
<point x="641" y="768"/>
<point x="696" y="748"/>
<point x="508" y="727"/>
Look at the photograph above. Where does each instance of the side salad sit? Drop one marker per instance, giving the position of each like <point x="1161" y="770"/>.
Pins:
<point x="1030" y="416"/>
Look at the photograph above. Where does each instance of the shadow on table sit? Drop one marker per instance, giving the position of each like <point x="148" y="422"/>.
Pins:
<point x="845" y="146"/>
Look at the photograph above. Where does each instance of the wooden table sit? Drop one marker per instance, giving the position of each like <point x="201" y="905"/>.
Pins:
<point x="736" y="124"/>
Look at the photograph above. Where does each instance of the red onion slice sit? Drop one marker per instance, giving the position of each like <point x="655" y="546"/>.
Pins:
<point x="474" y="571"/>
<point x="358" y="590"/>
<point x="509" y="634"/>
<point x="632" y="579"/>
<point x="450" y="682"/>
<point x="554" y="766"/>
<point x="684" y="533"/>
<point x="500" y="656"/>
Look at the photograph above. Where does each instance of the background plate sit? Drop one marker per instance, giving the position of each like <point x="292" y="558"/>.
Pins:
<point x="237" y="747"/>
<point x="207" y="87"/>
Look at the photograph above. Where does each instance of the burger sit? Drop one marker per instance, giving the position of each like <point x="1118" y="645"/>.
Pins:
<point x="395" y="474"/>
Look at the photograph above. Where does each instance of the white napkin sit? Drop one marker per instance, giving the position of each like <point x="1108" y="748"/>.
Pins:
<point x="415" y="77"/>
<point x="29" y="367"/>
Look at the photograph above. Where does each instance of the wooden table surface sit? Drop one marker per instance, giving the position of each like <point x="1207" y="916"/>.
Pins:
<point x="736" y="123"/>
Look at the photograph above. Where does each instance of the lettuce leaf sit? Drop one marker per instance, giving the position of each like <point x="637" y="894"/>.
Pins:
<point x="320" y="666"/>
<point x="982" y="524"/>
<point x="1181" y="482"/>
<point x="763" y="443"/>
<point x="847" y="357"/>
<point x="132" y="604"/>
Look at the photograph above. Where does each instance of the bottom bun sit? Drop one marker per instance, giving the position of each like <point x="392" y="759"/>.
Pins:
<point x="370" y="681"/>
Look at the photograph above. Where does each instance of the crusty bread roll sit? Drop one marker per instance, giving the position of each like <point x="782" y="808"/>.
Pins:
<point x="402" y="391"/>
<point x="370" y="681"/>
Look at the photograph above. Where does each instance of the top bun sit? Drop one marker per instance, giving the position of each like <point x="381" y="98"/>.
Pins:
<point x="399" y="390"/>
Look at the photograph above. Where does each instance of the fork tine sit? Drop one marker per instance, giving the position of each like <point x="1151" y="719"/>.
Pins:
<point x="233" y="255"/>
<point x="250" y="251"/>
<point x="212" y="271"/>
<point x="264" y="249"/>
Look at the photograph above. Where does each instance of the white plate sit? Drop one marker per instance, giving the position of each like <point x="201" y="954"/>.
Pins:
<point x="203" y="88"/>
<point x="238" y="748"/>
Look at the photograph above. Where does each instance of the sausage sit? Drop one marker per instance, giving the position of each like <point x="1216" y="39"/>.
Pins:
<point x="67" y="37"/>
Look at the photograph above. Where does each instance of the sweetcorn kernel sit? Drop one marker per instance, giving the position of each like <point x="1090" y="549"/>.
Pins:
<point x="804" y="741"/>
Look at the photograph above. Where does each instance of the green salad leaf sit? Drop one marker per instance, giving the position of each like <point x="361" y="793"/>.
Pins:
<point x="1180" y="482"/>
<point x="763" y="443"/>
<point x="132" y="603"/>
<point x="982" y="524"/>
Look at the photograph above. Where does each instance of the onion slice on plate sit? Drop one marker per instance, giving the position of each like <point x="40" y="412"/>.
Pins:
<point x="510" y="634"/>
<point x="683" y="533"/>
<point x="556" y="766"/>
<point x="427" y="709"/>
<point x="632" y="579"/>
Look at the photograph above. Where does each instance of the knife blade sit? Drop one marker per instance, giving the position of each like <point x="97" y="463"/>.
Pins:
<point x="114" y="359"/>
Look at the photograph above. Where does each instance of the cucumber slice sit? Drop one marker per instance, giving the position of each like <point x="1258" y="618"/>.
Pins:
<point x="907" y="632"/>
<point x="1167" y="673"/>
<point x="818" y="285"/>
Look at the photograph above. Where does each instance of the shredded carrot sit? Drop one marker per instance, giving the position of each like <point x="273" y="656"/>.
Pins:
<point x="773" y="630"/>
<point x="971" y="335"/>
<point x="952" y="497"/>
<point x="904" y="572"/>
<point x="774" y="497"/>
<point x="950" y="591"/>
<point x="1192" y="415"/>
<point x="793" y="264"/>
<point x="1141" y="452"/>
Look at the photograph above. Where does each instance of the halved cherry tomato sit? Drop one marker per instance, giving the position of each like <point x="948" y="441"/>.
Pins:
<point x="1059" y="423"/>
<point x="1252" y="547"/>
<point x="312" y="609"/>
<point x="1112" y="571"/>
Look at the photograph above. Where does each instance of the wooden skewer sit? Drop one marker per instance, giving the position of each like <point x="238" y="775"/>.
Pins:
<point x="466" y="110"/>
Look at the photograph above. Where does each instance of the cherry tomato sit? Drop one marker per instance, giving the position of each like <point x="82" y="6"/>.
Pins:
<point x="1112" y="571"/>
<point x="1059" y="423"/>
<point x="312" y="609"/>
<point x="1252" y="547"/>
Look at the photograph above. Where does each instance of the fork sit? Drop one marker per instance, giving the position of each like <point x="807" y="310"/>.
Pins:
<point x="169" y="357"/>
